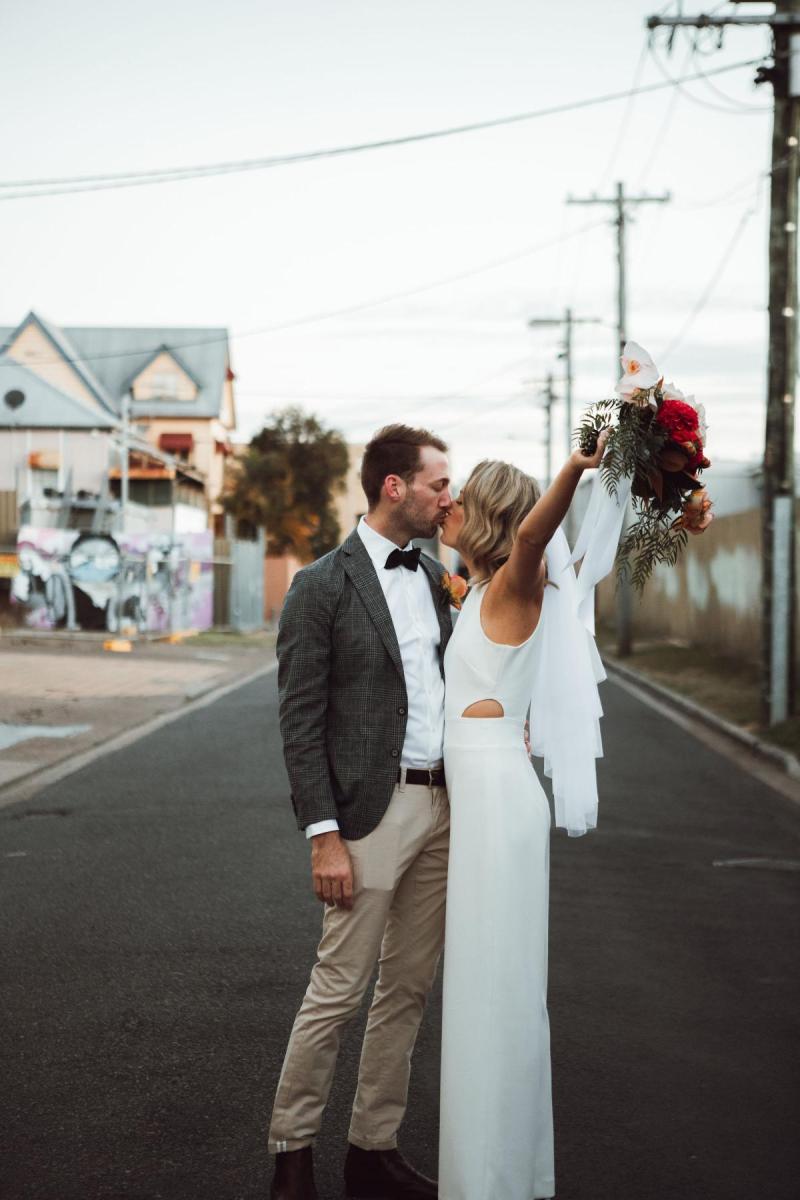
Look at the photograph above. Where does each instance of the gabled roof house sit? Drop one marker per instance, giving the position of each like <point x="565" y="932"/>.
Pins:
<point x="178" y="384"/>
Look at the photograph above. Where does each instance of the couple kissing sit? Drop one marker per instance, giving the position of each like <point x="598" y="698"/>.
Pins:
<point x="404" y="742"/>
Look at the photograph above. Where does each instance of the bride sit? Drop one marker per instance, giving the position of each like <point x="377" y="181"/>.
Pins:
<point x="515" y="645"/>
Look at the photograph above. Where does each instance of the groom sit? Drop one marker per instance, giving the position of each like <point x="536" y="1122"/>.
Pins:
<point x="360" y="649"/>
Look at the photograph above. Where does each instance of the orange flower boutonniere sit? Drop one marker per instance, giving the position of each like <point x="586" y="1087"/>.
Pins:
<point x="455" y="587"/>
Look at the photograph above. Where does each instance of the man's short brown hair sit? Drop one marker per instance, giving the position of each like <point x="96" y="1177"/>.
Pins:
<point x="394" y="450"/>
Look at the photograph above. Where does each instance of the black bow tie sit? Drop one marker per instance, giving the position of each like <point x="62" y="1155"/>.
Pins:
<point x="404" y="558"/>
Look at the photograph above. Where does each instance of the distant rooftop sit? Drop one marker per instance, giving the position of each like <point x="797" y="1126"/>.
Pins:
<point x="43" y="406"/>
<point x="108" y="358"/>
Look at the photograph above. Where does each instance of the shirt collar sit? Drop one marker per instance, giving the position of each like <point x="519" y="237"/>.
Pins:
<point x="378" y="547"/>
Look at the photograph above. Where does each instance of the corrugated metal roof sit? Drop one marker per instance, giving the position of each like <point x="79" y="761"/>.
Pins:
<point x="61" y="346"/>
<point x="114" y="356"/>
<point x="117" y="355"/>
<point x="72" y="352"/>
<point x="174" y="355"/>
<point x="45" y="407"/>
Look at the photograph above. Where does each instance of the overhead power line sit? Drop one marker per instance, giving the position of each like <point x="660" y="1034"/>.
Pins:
<point x="659" y="141"/>
<point x="732" y="108"/>
<point x="69" y="185"/>
<point x="627" y="114"/>
<point x="710" y="287"/>
<point x="735" y="106"/>
<point x="464" y="394"/>
<point x="465" y="418"/>
<point x="347" y="310"/>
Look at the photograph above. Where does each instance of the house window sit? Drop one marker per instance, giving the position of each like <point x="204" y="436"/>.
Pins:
<point x="163" y="385"/>
<point x="165" y="380"/>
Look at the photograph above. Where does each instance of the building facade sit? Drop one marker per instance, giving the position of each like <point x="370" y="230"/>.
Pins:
<point x="82" y="407"/>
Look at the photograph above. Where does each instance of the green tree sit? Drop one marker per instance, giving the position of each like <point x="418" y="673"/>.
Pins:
<point x="287" y="480"/>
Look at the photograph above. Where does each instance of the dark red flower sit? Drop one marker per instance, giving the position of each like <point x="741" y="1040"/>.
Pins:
<point x="679" y="420"/>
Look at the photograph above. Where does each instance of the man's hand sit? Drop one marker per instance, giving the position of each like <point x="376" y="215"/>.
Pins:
<point x="332" y="870"/>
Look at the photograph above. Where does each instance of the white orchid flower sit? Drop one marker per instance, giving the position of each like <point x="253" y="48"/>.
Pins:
<point x="673" y="393"/>
<point x="641" y="373"/>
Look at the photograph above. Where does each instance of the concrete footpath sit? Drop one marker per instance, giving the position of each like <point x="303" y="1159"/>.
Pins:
<point x="63" y="697"/>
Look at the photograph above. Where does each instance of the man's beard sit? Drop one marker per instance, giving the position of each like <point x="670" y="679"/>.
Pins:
<point x="419" y="525"/>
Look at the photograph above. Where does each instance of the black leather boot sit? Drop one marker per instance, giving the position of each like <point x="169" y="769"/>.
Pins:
<point x="294" y="1176"/>
<point x="384" y="1175"/>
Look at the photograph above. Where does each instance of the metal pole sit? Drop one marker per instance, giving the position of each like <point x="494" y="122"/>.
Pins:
<point x="14" y="483"/>
<point x="568" y="377"/>
<point x="621" y="297"/>
<point x="567" y="322"/>
<point x="619" y="201"/>
<point x="624" y="588"/>
<point x="777" y="502"/>
<point x="778" y="519"/>
<point x="549" y="398"/>
<point x="568" y="519"/>
<point x="124" y="460"/>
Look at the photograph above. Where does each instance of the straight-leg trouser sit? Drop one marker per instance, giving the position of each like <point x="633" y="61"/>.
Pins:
<point x="397" y="919"/>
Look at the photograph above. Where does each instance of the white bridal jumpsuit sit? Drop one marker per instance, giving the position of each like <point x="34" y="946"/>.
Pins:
<point x="496" y="1108"/>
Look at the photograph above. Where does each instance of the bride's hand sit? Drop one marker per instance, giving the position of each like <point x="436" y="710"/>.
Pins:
<point x="584" y="461"/>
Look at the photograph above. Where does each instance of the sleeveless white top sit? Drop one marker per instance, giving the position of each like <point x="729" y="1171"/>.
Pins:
<point x="476" y="668"/>
<point x="555" y="673"/>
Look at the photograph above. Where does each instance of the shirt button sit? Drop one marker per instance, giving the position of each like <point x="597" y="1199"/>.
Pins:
<point x="402" y="712"/>
<point x="395" y="754"/>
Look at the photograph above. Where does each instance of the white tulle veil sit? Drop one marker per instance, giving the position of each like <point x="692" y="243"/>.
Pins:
<point x="565" y="703"/>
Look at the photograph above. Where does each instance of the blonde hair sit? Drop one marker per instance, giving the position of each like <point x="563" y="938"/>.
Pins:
<point x="496" y="499"/>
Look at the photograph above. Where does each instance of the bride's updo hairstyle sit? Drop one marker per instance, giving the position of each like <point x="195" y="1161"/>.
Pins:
<point x="496" y="499"/>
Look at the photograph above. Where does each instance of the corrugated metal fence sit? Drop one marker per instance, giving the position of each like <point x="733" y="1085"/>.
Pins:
<point x="239" y="583"/>
<point x="712" y="598"/>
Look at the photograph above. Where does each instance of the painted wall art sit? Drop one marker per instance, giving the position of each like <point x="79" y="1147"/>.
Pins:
<point x="151" y="582"/>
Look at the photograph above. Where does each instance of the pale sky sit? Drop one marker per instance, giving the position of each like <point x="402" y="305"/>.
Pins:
<point x="112" y="86"/>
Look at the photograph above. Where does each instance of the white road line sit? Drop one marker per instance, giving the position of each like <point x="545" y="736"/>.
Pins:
<point x="36" y="781"/>
<point x="748" y="760"/>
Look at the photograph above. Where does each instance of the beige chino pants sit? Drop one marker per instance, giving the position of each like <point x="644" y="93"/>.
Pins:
<point x="397" y="920"/>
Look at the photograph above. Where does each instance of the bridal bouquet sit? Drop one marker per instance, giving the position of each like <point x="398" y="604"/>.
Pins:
<point x="656" y="448"/>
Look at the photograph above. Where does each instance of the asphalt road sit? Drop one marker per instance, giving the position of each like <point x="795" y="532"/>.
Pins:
<point x="158" y="929"/>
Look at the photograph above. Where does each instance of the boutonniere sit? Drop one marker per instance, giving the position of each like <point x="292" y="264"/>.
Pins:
<point x="455" y="588"/>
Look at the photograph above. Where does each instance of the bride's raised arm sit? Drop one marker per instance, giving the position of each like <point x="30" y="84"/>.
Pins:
<point x="525" y="561"/>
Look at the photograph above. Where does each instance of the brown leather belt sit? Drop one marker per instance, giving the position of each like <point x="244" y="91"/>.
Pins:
<point x="431" y="777"/>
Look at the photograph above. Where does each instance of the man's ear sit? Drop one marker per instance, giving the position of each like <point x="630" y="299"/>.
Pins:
<point x="394" y="487"/>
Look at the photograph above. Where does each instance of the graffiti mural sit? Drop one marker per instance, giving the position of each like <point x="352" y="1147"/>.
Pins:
<point x="147" y="581"/>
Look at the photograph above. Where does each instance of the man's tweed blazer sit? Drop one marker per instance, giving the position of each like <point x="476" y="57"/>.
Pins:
<point x="343" y="700"/>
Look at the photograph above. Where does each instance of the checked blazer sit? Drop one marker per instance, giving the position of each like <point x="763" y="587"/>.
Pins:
<point x="343" y="699"/>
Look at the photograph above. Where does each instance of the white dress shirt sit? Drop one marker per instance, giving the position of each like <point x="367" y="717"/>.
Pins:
<point x="411" y="607"/>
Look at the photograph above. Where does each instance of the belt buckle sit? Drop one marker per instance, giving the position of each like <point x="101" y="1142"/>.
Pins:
<point x="430" y="777"/>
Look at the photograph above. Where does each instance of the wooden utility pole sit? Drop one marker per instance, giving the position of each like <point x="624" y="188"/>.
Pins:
<point x="549" y="397"/>
<point x="778" y="517"/>
<point x="620" y="202"/>
<point x="567" y="322"/>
